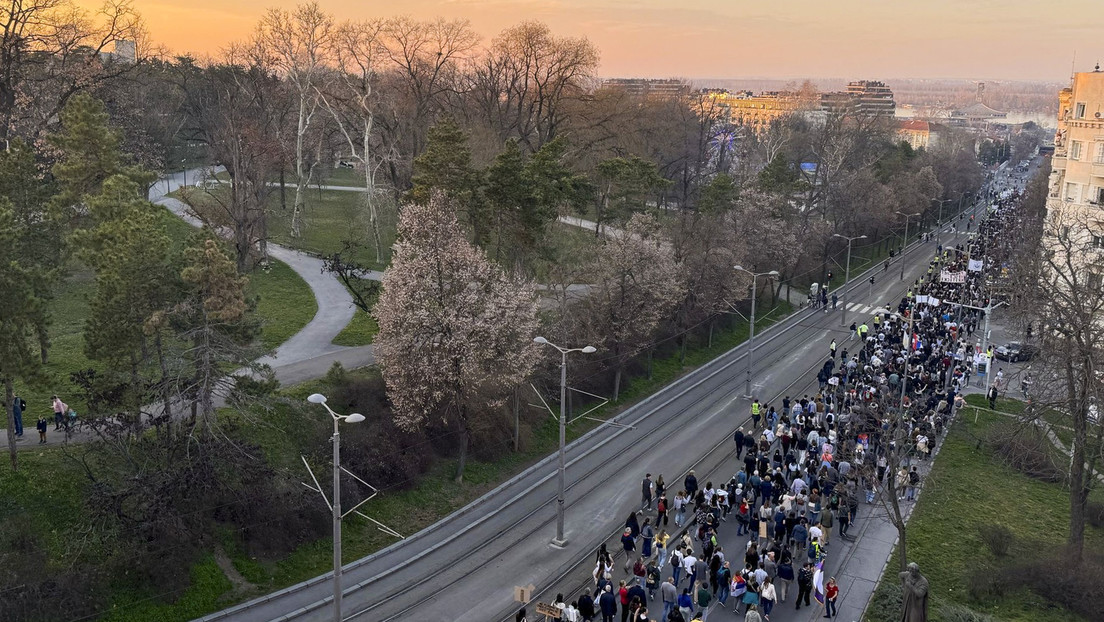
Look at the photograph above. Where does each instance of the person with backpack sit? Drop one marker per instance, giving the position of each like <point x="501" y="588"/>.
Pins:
<point x="661" y="510"/>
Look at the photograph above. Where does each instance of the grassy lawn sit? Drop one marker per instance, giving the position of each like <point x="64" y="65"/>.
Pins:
<point x="360" y="331"/>
<point x="285" y="302"/>
<point x="285" y="305"/>
<point x="969" y="489"/>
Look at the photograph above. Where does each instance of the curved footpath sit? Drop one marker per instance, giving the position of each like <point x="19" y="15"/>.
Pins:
<point x="464" y="567"/>
<point x="309" y="353"/>
<point x="311" y="348"/>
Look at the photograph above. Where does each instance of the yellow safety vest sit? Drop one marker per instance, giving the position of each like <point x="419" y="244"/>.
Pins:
<point x="755" y="408"/>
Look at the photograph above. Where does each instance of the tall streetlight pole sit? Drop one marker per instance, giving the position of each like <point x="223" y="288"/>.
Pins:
<point x="939" y="223"/>
<point x="847" y="273"/>
<point x="318" y="398"/>
<point x="560" y="541"/>
<point x="751" y="328"/>
<point x="184" y="165"/>
<point x="905" y="244"/>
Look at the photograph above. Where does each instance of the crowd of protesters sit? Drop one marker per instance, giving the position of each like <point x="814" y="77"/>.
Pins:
<point x="886" y="394"/>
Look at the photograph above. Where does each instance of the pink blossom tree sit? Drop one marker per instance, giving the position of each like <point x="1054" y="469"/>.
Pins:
<point x="455" y="329"/>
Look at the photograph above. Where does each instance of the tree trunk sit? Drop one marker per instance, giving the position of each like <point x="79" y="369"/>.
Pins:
<point x="43" y="341"/>
<point x="166" y="394"/>
<point x="463" y="459"/>
<point x="710" y="333"/>
<point x="9" y="397"/>
<point x="283" y="188"/>
<point x="517" y="419"/>
<point x="616" y="383"/>
<point x="370" y="192"/>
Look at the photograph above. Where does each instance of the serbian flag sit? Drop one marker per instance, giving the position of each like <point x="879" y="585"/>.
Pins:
<point x="818" y="582"/>
<point x="915" y="342"/>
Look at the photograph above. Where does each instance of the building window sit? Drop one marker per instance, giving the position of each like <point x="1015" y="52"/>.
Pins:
<point x="1075" y="150"/>
<point x="1080" y="113"/>
<point x="1099" y="157"/>
<point x="1071" y="191"/>
<point x="1097" y="241"/>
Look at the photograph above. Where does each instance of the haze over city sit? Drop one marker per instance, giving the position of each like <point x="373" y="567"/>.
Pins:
<point x="976" y="39"/>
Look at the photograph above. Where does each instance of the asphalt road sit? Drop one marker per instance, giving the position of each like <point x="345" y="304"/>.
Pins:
<point x="464" y="568"/>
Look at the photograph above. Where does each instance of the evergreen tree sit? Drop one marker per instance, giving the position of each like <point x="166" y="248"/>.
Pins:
<point x="446" y="166"/>
<point x="17" y="322"/>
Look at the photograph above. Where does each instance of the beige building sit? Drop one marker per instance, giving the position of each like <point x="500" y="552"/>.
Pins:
<point x="1075" y="205"/>
<point x="918" y="133"/>
<point x="757" y="111"/>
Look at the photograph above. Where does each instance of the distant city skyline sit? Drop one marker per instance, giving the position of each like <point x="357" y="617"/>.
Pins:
<point x="731" y="39"/>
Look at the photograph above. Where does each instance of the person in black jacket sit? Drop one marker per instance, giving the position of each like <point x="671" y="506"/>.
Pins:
<point x="804" y="584"/>
<point x="586" y="606"/>
<point x="738" y="438"/>
<point x="608" y="605"/>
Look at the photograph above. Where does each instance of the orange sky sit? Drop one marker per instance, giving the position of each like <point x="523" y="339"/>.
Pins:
<point x="995" y="39"/>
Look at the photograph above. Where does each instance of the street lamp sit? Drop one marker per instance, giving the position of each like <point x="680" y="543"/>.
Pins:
<point x="318" y="398"/>
<point x="847" y="272"/>
<point x="905" y="244"/>
<point x="184" y="166"/>
<point x="751" y="328"/>
<point x="939" y="223"/>
<point x="560" y="541"/>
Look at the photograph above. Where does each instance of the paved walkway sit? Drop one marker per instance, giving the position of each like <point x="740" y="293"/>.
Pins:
<point x="309" y="353"/>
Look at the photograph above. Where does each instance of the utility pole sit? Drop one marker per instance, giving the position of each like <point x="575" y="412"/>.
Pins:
<point x="905" y="244"/>
<point x="846" y="274"/>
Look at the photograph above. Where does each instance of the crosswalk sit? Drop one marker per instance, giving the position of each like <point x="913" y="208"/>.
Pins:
<point x="858" y="307"/>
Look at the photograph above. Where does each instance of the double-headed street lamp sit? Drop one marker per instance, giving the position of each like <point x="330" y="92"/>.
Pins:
<point x="751" y="328"/>
<point x="905" y="244"/>
<point x="318" y="398"/>
<point x="560" y="541"/>
<point x="846" y="272"/>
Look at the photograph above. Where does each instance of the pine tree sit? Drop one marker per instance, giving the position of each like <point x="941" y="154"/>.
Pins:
<point x="17" y="322"/>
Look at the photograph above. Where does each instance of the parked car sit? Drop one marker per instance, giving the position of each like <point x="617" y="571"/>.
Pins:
<point x="1016" y="351"/>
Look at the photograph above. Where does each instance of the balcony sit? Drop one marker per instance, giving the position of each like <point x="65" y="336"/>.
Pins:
<point x="1058" y="163"/>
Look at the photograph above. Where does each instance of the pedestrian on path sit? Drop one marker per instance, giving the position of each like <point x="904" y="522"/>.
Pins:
<point x="18" y="406"/>
<point x="60" y="408"/>
<point x="41" y="426"/>
<point x="804" y="585"/>
<point x="646" y="488"/>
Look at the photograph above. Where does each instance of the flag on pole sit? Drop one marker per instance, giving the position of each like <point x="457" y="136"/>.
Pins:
<point x="975" y="265"/>
<point x="818" y="582"/>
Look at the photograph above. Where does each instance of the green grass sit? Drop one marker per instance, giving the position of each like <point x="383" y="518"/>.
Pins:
<point x="201" y="597"/>
<point x="360" y="331"/>
<point x="285" y="302"/>
<point x="968" y="488"/>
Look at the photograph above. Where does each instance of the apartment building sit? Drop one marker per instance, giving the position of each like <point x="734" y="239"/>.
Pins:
<point x="1077" y="177"/>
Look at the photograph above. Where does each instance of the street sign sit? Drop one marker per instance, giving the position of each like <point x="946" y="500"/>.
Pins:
<point x="550" y="611"/>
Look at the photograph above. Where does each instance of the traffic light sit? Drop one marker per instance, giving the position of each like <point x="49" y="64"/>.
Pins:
<point x="829" y="276"/>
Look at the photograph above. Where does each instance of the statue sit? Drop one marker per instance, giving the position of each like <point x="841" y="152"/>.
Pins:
<point x="914" y="596"/>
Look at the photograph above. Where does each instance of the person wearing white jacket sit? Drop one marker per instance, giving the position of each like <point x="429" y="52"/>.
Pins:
<point x="767" y="596"/>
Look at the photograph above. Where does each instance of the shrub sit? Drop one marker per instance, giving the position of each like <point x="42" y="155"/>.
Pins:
<point x="1095" y="514"/>
<point x="886" y="604"/>
<point x="997" y="537"/>
<point x="1026" y="449"/>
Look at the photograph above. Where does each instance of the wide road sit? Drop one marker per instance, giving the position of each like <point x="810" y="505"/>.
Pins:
<point x="464" y="568"/>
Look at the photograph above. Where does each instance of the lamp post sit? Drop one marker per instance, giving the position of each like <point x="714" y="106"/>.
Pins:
<point x="905" y="244"/>
<point x="318" y="398"/>
<point x="560" y="541"/>
<point x="847" y="272"/>
<point x="184" y="167"/>
<point x="751" y="327"/>
<point x="939" y="223"/>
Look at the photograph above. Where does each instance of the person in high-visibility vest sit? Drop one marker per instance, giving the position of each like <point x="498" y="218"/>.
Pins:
<point x="756" y="412"/>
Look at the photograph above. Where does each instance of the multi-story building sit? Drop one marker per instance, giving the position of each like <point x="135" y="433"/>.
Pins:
<point x="865" y="98"/>
<point x="1075" y="204"/>
<point x="756" y="111"/>
<point x="918" y="133"/>
<point x="1077" y="176"/>
<point x="649" y="88"/>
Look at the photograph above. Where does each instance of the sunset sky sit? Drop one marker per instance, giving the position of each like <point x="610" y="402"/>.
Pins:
<point x="993" y="39"/>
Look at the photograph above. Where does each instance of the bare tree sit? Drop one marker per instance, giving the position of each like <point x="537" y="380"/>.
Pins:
<point x="296" y="43"/>
<point x="51" y="50"/>
<point x="353" y="103"/>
